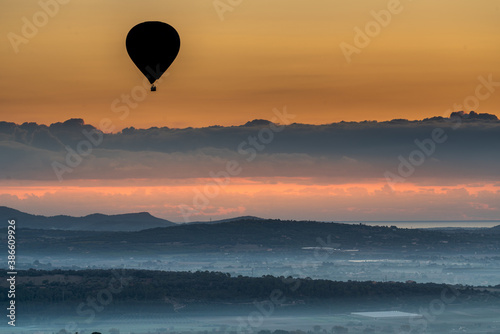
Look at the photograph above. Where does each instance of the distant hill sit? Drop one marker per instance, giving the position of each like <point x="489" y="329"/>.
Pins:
<point x="141" y="232"/>
<point x="261" y="235"/>
<point x="227" y="220"/>
<point x="94" y="222"/>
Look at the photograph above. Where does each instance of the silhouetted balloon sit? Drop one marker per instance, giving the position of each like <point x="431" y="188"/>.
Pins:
<point x="153" y="46"/>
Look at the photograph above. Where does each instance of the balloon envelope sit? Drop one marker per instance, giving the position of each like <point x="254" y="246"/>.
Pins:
<point x="153" y="46"/>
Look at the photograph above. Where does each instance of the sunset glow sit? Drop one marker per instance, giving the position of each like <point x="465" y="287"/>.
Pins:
<point x="322" y="62"/>
<point x="328" y="202"/>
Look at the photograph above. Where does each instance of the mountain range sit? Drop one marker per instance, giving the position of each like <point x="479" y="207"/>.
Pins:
<point x="94" y="222"/>
<point x="139" y="221"/>
<point x="127" y="222"/>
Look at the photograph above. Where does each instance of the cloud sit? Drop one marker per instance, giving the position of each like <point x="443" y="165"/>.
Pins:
<point x="463" y="147"/>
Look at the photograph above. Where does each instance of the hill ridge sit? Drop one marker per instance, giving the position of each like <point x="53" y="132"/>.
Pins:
<point x="92" y="222"/>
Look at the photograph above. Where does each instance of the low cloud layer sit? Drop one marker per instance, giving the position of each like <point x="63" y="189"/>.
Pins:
<point x="463" y="147"/>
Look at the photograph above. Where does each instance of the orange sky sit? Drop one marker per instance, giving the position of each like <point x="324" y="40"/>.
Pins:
<point x="286" y="198"/>
<point x="264" y="54"/>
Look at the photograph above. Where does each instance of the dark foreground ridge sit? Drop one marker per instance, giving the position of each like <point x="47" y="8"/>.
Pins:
<point x="40" y="286"/>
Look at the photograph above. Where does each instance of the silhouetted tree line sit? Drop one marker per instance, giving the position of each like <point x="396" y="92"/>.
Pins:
<point x="145" y="285"/>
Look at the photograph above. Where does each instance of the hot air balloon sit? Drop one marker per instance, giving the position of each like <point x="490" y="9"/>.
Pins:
<point x="153" y="46"/>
